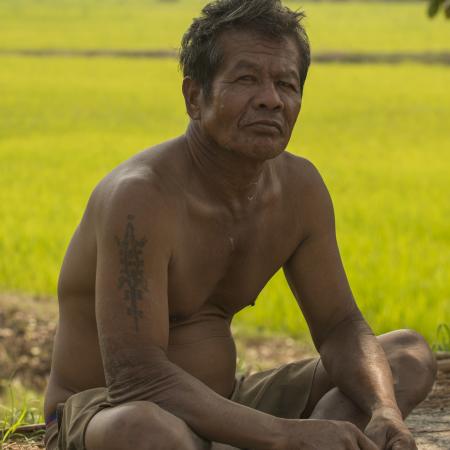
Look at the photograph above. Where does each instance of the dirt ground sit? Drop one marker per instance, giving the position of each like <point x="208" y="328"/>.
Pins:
<point x="26" y="334"/>
<point x="430" y="421"/>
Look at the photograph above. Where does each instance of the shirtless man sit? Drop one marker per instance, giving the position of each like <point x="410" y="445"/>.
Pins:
<point x="179" y="238"/>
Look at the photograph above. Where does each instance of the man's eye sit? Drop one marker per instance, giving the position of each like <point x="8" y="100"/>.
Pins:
<point x="288" y="85"/>
<point x="247" y="78"/>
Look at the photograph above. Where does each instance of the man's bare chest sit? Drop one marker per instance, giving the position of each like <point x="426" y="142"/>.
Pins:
<point x="226" y="267"/>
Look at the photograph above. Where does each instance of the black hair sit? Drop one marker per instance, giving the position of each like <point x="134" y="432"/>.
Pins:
<point x="201" y="53"/>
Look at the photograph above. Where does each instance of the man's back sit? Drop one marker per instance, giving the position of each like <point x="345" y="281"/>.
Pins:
<point x="220" y="259"/>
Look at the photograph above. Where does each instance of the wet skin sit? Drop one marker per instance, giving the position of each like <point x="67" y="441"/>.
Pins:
<point x="206" y="219"/>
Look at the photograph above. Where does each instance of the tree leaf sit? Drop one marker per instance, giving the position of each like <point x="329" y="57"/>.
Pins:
<point x="447" y="9"/>
<point x="433" y="8"/>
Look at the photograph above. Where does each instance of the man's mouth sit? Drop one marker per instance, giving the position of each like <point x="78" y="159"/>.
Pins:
<point x="269" y="125"/>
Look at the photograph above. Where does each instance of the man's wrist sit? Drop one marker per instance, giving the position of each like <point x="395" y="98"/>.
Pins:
<point x="390" y="410"/>
<point x="280" y="433"/>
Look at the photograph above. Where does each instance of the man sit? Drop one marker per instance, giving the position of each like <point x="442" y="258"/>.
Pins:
<point x="180" y="237"/>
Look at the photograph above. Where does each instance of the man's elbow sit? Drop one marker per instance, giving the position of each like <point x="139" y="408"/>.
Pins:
<point x="343" y="329"/>
<point x="150" y="381"/>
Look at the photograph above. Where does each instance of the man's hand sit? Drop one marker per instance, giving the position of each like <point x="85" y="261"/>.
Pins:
<point x="387" y="429"/>
<point x="323" y="434"/>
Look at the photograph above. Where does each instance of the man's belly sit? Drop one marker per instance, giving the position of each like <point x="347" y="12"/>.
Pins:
<point x="204" y="347"/>
<point x="211" y="360"/>
<point x="206" y="350"/>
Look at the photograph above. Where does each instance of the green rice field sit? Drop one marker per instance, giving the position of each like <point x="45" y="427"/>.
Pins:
<point x="378" y="134"/>
<point x="81" y="24"/>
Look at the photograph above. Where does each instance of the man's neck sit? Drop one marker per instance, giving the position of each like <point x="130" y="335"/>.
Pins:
<point x="235" y="179"/>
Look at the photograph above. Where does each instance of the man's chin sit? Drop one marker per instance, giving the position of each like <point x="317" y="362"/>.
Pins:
<point x="260" y="149"/>
<point x="264" y="152"/>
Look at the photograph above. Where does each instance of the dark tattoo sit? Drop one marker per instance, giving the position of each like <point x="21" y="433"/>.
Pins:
<point x="131" y="277"/>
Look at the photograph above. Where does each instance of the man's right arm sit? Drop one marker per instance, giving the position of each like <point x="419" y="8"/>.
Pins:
<point x="134" y="237"/>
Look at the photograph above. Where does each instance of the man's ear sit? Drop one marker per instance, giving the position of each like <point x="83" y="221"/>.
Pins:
<point x="192" y="93"/>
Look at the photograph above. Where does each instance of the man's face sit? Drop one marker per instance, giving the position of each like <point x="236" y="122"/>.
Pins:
<point x="255" y="96"/>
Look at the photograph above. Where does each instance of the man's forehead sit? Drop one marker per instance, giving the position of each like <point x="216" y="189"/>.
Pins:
<point x="242" y="48"/>
<point x="248" y="64"/>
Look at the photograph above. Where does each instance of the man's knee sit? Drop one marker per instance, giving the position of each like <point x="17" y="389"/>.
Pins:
<point x="411" y="358"/>
<point x="414" y="352"/>
<point x="144" y="428"/>
<point x="138" y="426"/>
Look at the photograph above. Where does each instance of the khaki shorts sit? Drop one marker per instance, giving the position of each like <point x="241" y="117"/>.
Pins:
<point x="281" y="392"/>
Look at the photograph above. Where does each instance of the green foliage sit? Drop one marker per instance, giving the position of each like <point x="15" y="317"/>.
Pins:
<point x="435" y="5"/>
<point x="442" y="342"/>
<point x="13" y="416"/>
<point x="12" y="421"/>
<point x="376" y="132"/>
<point x="151" y="24"/>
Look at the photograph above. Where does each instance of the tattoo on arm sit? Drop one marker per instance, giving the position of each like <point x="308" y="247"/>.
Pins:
<point x="131" y="278"/>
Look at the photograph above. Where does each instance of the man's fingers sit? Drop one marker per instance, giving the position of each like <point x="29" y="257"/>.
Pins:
<point x="362" y="442"/>
<point x="372" y="442"/>
<point x="403" y="444"/>
<point x="366" y="444"/>
<point x="378" y="439"/>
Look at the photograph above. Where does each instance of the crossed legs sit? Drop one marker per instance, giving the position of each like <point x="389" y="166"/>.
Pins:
<point x="144" y="426"/>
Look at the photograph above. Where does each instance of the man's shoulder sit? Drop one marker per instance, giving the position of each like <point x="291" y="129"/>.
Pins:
<point x="304" y="184"/>
<point x="299" y="172"/>
<point x="142" y="183"/>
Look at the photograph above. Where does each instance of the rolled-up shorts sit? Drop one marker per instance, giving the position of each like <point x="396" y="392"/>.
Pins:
<point x="281" y="392"/>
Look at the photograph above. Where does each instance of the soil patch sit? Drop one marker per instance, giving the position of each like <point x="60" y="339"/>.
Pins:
<point x="27" y="327"/>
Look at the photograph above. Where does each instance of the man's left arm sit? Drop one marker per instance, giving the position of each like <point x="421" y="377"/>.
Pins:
<point x="350" y="352"/>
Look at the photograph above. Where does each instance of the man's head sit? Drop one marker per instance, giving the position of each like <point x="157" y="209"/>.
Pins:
<point x="202" y="54"/>
<point x="245" y="63"/>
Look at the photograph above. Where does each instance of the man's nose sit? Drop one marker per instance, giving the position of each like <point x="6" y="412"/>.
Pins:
<point x="268" y="97"/>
